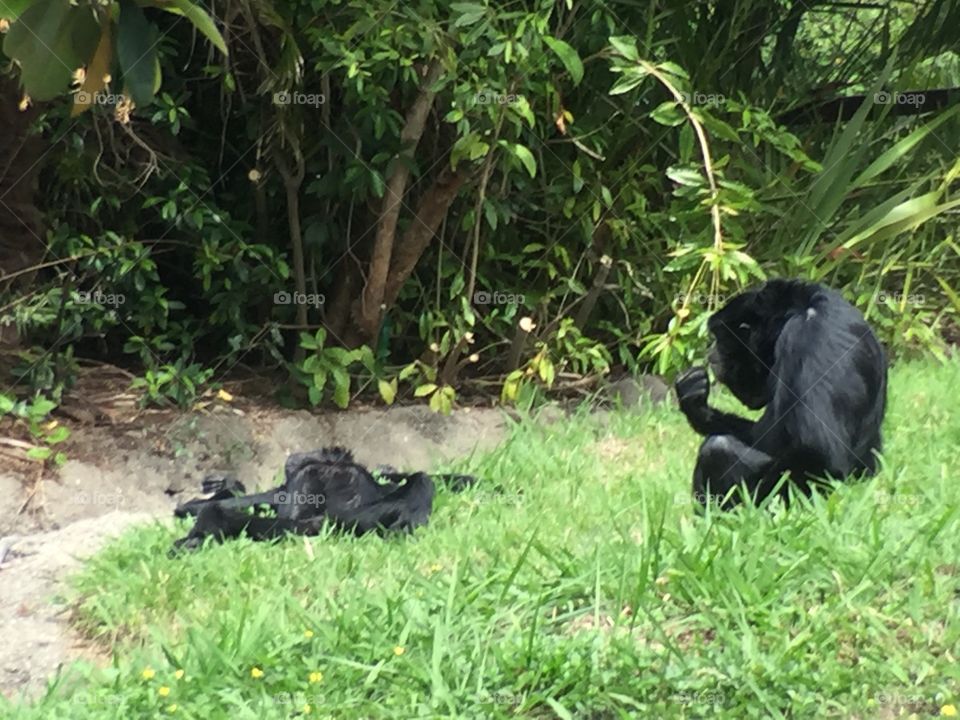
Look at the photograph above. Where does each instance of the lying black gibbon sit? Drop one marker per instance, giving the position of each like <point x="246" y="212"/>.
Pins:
<point x="322" y="486"/>
<point x="807" y="356"/>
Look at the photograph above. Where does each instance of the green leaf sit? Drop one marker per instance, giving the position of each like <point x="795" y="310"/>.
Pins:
<point x="468" y="13"/>
<point x="671" y="68"/>
<point x="200" y="19"/>
<point x="320" y="380"/>
<point x="377" y="183"/>
<point x="606" y="195"/>
<point x="490" y="213"/>
<point x="668" y="113"/>
<point x="41" y="407"/>
<point x="51" y="39"/>
<point x="904" y="217"/>
<point x="522" y="108"/>
<point x="626" y="45"/>
<point x="388" y="390"/>
<point x="469" y="146"/>
<point x="59" y="434"/>
<point x="559" y="709"/>
<point x="10" y="10"/>
<point x="442" y="401"/>
<point x="686" y="143"/>
<point x="633" y="77"/>
<point x="137" y="52"/>
<point x="461" y="8"/>
<point x="840" y="164"/>
<point x="524" y="155"/>
<point x="365" y="355"/>
<point x="340" y="356"/>
<point x="408" y="372"/>
<point x="950" y="293"/>
<point x="39" y="453"/>
<point x="424" y="389"/>
<point x="685" y="176"/>
<point x="341" y="387"/>
<point x="446" y="397"/>
<point x="568" y="56"/>
<point x="547" y="371"/>
<point x="718" y="127"/>
<point x="896" y="153"/>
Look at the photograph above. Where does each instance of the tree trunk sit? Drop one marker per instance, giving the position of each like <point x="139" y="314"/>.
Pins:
<point x="292" y="180"/>
<point x="601" y="235"/>
<point x="431" y="210"/>
<point x="296" y="241"/>
<point x="368" y="310"/>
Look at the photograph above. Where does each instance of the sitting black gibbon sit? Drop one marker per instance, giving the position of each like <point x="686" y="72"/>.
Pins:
<point x="809" y="358"/>
<point x="322" y="486"/>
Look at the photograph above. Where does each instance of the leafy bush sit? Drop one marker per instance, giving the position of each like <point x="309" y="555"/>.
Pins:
<point x="420" y="190"/>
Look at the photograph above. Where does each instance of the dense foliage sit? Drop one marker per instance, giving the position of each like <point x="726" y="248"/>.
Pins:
<point x="425" y="196"/>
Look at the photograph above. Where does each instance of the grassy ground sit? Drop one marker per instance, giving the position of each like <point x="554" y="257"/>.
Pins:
<point x="588" y="589"/>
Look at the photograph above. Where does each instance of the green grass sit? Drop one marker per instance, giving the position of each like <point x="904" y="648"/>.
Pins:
<point x="589" y="589"/>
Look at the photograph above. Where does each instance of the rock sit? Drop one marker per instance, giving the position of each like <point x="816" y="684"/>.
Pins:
<point x="630" y="392"/>
<point x="550" y="414"/>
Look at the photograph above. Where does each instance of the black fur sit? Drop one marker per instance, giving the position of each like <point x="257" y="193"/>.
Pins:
<point x="807" y="356"/>
<point x="319" y="487"/>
